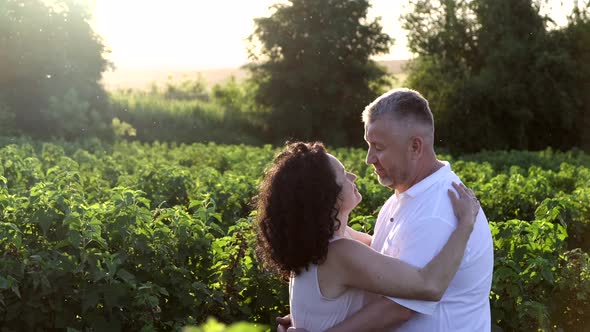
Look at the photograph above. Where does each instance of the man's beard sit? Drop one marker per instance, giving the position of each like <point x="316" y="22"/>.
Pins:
<point x="385" y="181"/>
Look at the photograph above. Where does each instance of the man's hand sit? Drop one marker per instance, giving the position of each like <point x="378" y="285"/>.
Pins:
<point x="284" y="323"/>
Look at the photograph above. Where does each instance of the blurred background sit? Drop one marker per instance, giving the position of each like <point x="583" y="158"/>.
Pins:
<point x="509" y="74"/>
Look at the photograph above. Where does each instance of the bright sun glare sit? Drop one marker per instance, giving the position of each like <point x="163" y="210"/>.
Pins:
<point x="204" y="34"/>
<point x="198" y="34"/>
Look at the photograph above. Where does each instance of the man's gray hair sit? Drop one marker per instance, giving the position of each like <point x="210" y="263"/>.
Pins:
<point x="401" y="104"/>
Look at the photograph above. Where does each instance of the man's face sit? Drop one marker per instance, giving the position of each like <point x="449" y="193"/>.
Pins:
<point x="389" y="152"/>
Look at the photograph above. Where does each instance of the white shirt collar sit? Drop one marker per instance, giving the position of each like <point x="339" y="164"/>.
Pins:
<point x="428" y="181"/>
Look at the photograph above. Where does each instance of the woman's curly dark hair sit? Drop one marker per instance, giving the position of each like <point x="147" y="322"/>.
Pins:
<point x="297" y="213"/>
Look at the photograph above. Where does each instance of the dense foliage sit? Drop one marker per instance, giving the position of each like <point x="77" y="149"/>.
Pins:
<point x="155" y="237"/>
<point x="212" y="325"/>
<point x="503" y="72"/>
<point x="188" y="111"/>
<point x="51" y="62"/>
<point x="311" y="62"/>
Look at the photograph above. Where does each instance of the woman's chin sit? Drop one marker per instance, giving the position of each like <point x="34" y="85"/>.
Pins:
<point x="359" y="200"/>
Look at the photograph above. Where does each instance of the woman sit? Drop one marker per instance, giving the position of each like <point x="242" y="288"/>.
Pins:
<point x="303" y="206"/>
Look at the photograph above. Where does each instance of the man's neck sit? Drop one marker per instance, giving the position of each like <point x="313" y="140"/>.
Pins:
<point x="429" y="167"/>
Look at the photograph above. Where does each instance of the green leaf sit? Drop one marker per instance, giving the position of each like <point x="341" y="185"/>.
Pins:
<point x="125" y="276"/>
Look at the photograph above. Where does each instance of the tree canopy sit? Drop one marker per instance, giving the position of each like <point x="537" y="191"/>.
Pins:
<point x="312" y="67"/>
<point x="500" y="73"/>
<point x="51" y="62"/>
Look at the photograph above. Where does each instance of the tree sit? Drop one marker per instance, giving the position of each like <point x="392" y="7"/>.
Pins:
<point x="49" y="55"/>
<point x="494" y="70"/>
<point x="576" y="37"/>
<point x="313" y="69"/>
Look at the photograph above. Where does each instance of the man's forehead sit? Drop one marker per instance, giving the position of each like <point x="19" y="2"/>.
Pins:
<point x="382" y="129"/>
<point x="379" y="127"/>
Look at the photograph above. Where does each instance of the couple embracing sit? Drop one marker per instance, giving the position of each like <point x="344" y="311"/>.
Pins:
<point x="428" y="265"/>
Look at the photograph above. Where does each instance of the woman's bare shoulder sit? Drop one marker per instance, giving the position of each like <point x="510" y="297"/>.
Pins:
<point x="345" y="249"/>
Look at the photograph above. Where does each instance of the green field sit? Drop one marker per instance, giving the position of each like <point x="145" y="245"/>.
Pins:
<point x="157" y="236"/>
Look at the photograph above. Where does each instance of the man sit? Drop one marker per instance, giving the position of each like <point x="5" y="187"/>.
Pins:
<point x="415" y="222"/>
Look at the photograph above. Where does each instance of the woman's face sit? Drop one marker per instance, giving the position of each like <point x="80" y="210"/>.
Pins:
<point x="349" y="196"/>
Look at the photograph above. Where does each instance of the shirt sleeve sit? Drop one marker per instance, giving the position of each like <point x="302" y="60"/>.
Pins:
<point x="419" y="246"/>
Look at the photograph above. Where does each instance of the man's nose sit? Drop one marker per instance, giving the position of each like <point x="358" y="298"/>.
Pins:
<point x="370" y="160"/>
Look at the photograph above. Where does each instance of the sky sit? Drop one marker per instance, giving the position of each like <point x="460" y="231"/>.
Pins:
<point x="199" y="34"/>
<point x="209" y="34"/>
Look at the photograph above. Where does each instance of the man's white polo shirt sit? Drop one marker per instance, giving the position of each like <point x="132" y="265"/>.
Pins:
<point x="414" y="226"/>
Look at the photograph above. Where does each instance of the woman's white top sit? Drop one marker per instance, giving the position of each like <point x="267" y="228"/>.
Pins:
<point x="313" y="311"/>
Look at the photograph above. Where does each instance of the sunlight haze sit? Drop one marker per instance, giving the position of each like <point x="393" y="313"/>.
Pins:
<point x="198" y="34"/>
<point x="152" y="40"/>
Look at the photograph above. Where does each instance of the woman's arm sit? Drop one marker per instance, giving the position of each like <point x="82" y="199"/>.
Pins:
<point x="361" y="267"/>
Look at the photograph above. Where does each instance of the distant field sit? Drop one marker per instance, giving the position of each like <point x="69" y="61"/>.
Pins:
<point x="143" y="78"/>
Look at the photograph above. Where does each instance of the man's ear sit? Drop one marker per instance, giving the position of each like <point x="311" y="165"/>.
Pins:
<point x="416" y="147"/>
